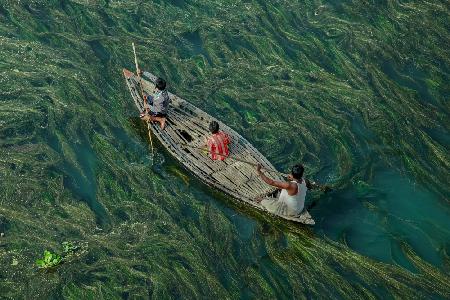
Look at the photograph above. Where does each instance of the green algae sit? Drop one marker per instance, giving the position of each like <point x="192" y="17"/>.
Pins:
<point x="346" y="87"/>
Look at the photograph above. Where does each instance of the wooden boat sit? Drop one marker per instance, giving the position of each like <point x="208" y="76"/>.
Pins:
<point x="186" y="129"/>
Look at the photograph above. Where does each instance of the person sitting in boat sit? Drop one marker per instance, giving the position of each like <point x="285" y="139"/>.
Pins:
<point x="291" y="199"/>
<point x="218" y="142"/>
<point x="158" y="104"/>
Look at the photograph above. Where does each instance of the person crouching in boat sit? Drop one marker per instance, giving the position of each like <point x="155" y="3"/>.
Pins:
<point x="218" y="142"/>
<point x="158" y="103"/>
<point x="291" y="199"/>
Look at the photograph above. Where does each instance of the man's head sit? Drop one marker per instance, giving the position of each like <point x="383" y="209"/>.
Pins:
<point x="160" y="84"/>
<point x="214" y="127"/>
<point x="297" y="171"/>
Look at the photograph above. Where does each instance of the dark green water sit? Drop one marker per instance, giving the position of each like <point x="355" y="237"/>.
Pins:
<point x="356" y="90"/>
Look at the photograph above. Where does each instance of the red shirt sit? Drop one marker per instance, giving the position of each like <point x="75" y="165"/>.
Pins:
<point x="218" y="145"/>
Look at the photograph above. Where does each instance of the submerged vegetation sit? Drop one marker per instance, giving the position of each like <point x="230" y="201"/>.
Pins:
<point x="357" y="90"/>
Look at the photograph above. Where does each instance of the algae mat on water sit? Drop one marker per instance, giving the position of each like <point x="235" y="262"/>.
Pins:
<point x="357" y="90"/>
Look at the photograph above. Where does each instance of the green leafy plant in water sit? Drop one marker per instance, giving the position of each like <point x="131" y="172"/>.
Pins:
<point x="49" y="260"/>
<point x="70" y="250"/>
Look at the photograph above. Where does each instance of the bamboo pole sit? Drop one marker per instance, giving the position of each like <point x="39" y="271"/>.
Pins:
<point x="142" y="95"/>
<point x="311" y="184"/>
<point x="232" y="158"/>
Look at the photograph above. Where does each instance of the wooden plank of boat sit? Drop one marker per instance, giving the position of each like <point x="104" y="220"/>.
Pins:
<point x="187" y="129"/>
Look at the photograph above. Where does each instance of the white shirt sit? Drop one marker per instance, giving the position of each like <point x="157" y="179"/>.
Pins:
<point x="294" y="203"/>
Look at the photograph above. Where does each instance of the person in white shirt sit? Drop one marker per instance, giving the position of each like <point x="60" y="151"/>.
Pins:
<point x="291" y="199"/>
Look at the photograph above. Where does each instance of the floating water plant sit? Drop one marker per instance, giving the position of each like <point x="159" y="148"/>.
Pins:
<point x="70" y="249"/>
<point x="49" y="260"/>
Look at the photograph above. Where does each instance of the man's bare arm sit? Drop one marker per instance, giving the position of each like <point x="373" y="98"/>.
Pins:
<point x="275" y="183"/>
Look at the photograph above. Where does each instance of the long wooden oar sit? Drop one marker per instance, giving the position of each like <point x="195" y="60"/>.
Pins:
<point x="232" y="158"/>
<point x="142" y="95"/>
<point x="311" y="184"/>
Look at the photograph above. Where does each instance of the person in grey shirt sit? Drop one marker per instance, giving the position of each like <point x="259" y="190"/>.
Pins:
<point x="158" y="104"/>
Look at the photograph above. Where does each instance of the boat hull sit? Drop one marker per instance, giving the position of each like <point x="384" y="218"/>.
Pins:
<point x="186" y="131"/>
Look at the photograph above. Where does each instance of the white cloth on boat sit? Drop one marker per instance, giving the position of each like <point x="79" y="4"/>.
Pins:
<point x="285" y="204"/>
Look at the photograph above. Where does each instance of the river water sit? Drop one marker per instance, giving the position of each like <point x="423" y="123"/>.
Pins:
<point x="356" y="90"/>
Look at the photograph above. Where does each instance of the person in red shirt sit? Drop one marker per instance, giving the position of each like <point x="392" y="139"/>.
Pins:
<point x="218" y="142"/>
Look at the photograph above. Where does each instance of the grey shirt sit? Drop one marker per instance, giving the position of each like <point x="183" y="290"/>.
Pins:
<point x="161" y="99"/>
<point x="160" y="102"/>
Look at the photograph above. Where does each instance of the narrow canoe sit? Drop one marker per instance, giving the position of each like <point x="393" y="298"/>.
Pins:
<point x="185" y="132"/>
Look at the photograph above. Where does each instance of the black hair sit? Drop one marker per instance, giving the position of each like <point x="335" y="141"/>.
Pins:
<point x="213" y="127"/>
<point x="160" y="84"/>
<point x="297" y="171"/>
